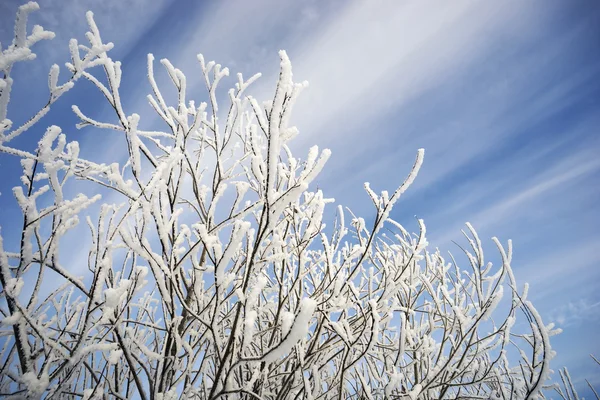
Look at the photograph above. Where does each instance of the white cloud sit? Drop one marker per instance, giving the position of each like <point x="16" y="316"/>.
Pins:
<point x="375" y="58"/>
<point x="573" y="313"/>
<point x="515" y="203"/>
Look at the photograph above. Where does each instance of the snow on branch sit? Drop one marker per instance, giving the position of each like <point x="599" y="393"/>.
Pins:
<point x="210" y="273"/>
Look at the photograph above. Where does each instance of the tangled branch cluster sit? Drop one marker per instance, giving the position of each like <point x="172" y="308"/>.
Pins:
<point x="212" y="275"/>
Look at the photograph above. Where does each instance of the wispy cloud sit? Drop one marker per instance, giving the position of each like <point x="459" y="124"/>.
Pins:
<point x="573" y="313"/>
<point x="518" y="203"/>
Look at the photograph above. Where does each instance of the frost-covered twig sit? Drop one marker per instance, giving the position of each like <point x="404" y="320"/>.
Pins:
<point x="213" y="274"/>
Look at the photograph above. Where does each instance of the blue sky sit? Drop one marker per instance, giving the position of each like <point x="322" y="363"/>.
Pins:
<point x="503" y="96"/>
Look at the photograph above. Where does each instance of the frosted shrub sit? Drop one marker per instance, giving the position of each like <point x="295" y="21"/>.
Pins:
<point x="211" y="274"/>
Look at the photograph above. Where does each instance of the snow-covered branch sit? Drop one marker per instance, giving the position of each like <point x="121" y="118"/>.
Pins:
<point x="211" y="274"/>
